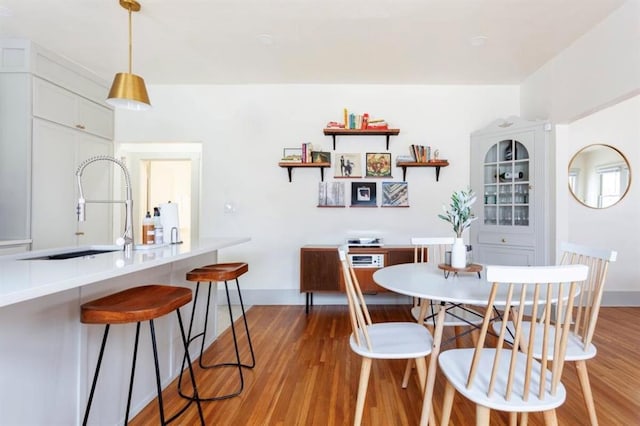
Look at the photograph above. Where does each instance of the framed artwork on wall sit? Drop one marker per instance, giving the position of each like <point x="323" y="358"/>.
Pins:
<point x="331" y="194"/>
<point x="363" y="194"/>
<point x="395" y="194"/>
<point x="378" y="164"/>
<point x="320" y="157"/>
<point x="292" y="155"/>
<point x="348" y="166"/>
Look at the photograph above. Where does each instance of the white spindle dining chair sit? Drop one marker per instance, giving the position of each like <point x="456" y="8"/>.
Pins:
<point x="387" y="340"/>
<point x="508" y="379"/>
<point x="585" y="315"/>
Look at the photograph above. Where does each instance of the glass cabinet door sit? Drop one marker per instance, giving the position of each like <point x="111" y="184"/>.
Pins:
<point x="506" y="184"/>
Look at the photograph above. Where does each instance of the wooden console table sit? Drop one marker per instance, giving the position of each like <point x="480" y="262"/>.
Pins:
<point x="320" y="268"/>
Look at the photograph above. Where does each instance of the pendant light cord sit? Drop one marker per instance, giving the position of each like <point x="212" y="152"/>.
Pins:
<point x="130" y="43"/>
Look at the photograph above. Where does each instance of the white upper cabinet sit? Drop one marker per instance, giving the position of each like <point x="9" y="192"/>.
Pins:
<point x="62" y="106"/>
<point x="53" y="117"/>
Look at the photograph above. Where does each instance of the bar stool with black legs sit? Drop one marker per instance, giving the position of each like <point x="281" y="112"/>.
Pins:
<point x="218" y="273"/>
<point x="138" y="304"/>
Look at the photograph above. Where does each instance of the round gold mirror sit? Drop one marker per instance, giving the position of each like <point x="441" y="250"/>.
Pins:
<point x="599" y="176"/>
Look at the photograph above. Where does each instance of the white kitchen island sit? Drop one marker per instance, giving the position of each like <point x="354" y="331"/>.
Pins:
<point x="47" y="357"/>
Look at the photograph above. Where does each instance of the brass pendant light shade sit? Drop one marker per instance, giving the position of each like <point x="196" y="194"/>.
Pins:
<point x="128" y="90"/>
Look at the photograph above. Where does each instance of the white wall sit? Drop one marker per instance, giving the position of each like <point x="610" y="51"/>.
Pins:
<point x="244" y="128"/>
<point x="584" y="89"/>
<point x="599" y="69"/>
<point x="616" y="227"/>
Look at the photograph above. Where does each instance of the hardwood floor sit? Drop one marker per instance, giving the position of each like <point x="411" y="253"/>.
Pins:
<point x="307" y="375"/>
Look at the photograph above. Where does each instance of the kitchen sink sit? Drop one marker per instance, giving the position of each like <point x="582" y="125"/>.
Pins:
<point x="71" y="254"/>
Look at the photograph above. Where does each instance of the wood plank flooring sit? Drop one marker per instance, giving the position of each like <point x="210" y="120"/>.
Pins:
<point x="306" y="374"/>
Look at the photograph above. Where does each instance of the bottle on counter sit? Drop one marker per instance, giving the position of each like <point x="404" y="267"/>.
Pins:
<point x="157" y="227"/>
<point x="148" y="232"/>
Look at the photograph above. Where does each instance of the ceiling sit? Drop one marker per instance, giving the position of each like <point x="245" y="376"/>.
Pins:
<point x="307" y="41"/>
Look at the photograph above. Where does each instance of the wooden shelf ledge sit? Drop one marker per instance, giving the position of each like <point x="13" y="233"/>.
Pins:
<point x="360" y="132"/>
<point x="290" y="166"/>
<point x="437" y="164"/>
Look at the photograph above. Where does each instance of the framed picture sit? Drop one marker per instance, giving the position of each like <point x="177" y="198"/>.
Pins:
<point x="320" y="157"/>
<point x="363" y="194"/>
<point x="331" y="194"/>
<point x="378" y="164"/>
<point x="395" y="194"/>
<point x="293" y="155"/>
<point x="348" y="166"/>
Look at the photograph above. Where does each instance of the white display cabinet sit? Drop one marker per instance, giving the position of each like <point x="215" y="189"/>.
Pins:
<point x="511" y="175"/>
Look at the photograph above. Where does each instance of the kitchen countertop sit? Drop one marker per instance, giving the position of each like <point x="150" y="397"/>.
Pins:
<point x="22" y="280"/>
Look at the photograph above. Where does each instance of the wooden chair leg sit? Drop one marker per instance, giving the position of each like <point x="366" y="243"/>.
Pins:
<point x="483" y="414"/>
<point x="583" y="376"/>
<point x="513" y="418"/>
<point x="365" y="370"/>
<point x="524" y="419"/>
<point x="407" y="373"/>
<point x="474" y="336"/>
<point x="447" y="403"/>
<point x="458" y="331"/>
<point x="550" y="418"/>
<point x="421" y="366"/>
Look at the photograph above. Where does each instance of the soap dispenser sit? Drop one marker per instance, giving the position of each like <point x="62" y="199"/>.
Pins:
<point x="148" y="230"/>
<point x="157" y="226"/>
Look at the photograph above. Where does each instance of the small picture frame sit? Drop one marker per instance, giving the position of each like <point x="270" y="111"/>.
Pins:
<point x="292" y="155"/>
<point x="395" y="194"/>
<point x="364" y="194"/>
<point x="320" y="157"/>
<point x="378" y="164"/>
<point x="331" y="194"/>
<point x="348" y="166"/>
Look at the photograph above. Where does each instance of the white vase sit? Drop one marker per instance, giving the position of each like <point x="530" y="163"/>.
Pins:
<point x="458" y="254"/>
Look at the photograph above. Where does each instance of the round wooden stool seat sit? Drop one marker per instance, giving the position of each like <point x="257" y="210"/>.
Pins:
<point x="135" y="304"/>
<point x="218" y="272"/>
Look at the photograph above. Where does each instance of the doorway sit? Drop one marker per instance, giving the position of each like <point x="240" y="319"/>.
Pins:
<point x="163" y="173"/>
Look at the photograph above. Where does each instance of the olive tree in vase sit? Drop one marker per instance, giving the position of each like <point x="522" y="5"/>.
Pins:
<point x="460" y="216"/>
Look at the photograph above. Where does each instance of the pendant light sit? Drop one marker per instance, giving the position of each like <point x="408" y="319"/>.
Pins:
<point x="128" y="90"/>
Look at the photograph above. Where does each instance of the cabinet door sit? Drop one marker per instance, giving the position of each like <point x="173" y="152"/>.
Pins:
<point x="96" y="185"/>
<point x="53" y="217"/>
<point x="319" y="270"/>
<point x="64" y="107"/>
<point x="57" y="152"/>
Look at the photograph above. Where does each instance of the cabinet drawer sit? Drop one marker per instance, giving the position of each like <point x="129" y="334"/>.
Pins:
<point x="525" y="240"/>
<point x="64" y="107"/>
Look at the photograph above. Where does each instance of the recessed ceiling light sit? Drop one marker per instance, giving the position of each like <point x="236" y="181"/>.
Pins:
<point x="477" y="41"/>
<point x="5" y="11"/>
<point x="266" y="39"/>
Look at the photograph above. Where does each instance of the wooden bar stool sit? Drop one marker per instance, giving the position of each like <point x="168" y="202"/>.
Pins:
<point x="218" y="273"/>
<point x="136" y="305"/>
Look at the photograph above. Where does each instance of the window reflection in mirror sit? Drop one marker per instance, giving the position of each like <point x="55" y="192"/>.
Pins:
<point x="599" y="176"/>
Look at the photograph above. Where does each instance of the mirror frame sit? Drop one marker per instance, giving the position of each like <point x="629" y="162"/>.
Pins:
<point x="581" y="150"/>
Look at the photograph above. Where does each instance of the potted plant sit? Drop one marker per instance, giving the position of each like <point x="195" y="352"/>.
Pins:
<point x="460" y="216"/>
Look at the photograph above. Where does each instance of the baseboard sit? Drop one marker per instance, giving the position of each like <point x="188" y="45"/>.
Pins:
<point x="294" y="297"/>
<point x="621" y="298"/>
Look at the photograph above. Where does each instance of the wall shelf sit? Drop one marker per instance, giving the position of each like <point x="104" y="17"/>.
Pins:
<point x="437" y="164"/>
<point x="360" y="132"/>
<point x="291" y="166"/>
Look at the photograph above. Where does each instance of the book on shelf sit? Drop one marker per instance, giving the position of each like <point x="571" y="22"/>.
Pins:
<point x="404" y="159"/>
<point x="354" y="121"/>
<point x="306" y="152"/>
<point x="420" y="153"/>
